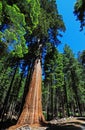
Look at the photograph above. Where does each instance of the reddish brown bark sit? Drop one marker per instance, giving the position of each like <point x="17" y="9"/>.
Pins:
<point x="32" y="110"/>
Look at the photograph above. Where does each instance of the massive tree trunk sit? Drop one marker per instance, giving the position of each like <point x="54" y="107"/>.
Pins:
<point x="32" y="110"/>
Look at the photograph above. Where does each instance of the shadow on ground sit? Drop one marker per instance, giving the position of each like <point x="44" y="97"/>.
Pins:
<point x="74" y="124"/>
<point x="78" y="124"/>
<point x="6" y="124"/>
<point x="81" y="118"/>
<point x="66" y="127"/>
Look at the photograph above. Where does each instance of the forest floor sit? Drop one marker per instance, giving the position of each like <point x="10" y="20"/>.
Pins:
<point x="71" y="123"/>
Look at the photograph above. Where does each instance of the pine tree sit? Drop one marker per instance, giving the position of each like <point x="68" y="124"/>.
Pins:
<point x="54" y="81"/>
<point x="79" y="11"/>
<point x="73" y="78"/>
<point x="50" y="78"/>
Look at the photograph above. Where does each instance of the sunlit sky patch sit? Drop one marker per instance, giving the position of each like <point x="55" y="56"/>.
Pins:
<point x="73" y="37"/>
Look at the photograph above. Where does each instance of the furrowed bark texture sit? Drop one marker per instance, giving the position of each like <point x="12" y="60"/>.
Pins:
<point x="32" y="110"/>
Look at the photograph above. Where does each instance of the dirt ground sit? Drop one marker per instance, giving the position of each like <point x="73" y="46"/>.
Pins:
<point x="71" y="123"/>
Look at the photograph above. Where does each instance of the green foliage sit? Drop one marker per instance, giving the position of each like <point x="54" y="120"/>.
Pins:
<point x="14" y="35"/>
<point x="49" y="19"/>
<point x="35" y="11"/>
<point x="0" y="12"/>
<point x="78" y="4"/>
<point x="31" y="10"/>
<point x="4" y="81"/>
<point x="79" y="11"/>
<point x="15" y="16"/>
<point x="50" y="64"/>
<point x="59" y="71"/>
<point x="15" y="39"/>
<point x="20" y="93"/>
<point x="82" y="58"/>
<point x="54" y="68"/>
<point x="16" y="31"/>
<point x="73" y="74"/>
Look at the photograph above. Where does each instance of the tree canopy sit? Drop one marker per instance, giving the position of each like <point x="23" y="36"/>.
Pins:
<point x="79" y="11"/>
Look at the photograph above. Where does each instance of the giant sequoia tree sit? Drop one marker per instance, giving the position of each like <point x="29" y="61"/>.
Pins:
<point x="35" y="23"/>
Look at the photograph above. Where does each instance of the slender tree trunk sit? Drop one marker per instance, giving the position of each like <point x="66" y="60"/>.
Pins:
<point x="32" y="110"/>
<point x="48" y="105"/>
<point x="76" y="93"/>
<point x="51" y="102"/>
<point x="78" y="102"/>
<point x="57" y="103"/>
<point x="66" y="99"/>
<point x="7" y="95"/>
<point x="55" y="106"/>
<point x="13" y="99"/>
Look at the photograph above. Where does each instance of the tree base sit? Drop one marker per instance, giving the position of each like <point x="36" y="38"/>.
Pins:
<point x="19" y="126"/>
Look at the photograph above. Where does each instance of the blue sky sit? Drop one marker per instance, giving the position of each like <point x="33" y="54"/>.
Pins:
<point x="73" y="37"/>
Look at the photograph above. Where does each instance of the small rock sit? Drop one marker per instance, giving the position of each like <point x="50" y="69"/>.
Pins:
<point x="24" y="128"/>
